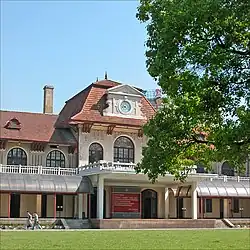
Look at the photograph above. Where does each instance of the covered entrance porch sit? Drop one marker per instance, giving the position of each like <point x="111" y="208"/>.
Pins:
<point x="130" y="195"/>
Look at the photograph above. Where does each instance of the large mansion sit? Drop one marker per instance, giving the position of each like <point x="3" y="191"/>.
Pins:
<point x="80" y="163"/>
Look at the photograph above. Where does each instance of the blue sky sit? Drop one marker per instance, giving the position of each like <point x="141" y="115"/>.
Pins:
<point x="68" y="44"/>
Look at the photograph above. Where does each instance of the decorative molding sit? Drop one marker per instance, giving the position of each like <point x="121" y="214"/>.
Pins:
<point x="3" y="144"/>
<point x="110" y="129"/>
<point x="13" y="124"/>
<point x="86" y="128"/>
<point x="37" y="147"/>
<point x="140" y="133"/>
<point x="71" y="149"/>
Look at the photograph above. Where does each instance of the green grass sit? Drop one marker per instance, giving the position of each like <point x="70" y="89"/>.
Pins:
<point x="129" y="239"/>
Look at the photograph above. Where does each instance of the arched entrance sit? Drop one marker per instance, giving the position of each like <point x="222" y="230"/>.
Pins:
<point x="149" y="204"/>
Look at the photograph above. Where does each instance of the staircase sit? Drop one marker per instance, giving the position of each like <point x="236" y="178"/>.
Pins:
<point x="77" y="224"/>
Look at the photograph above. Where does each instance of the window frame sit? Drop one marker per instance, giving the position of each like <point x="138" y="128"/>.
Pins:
<point x="20" y="157"/>
<point x="50" y="158"/>
<point x="209" y="205"/>
<point x="124" y="153"/>
<point x="100" y="152"/>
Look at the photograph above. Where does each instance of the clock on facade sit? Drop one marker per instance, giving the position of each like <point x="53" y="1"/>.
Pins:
<point x="125" y="107"/>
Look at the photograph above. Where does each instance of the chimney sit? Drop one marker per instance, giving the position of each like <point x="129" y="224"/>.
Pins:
<point x="48" y="99"/>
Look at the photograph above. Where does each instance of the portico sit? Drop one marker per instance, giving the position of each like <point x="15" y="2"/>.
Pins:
<point x="131" y="195"/>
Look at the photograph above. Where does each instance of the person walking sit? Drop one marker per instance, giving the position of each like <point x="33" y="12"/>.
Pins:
<point x="29" y="220"/>
<point x="36" y="222"/>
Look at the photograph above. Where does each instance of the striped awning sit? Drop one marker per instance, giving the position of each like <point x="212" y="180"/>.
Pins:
<point x="45" y="183"/>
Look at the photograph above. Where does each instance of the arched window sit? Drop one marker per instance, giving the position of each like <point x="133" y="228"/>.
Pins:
<point x="124" y="150"/>
<point x="55" y="159"/>
<point x="17" y="156"/>
<point x="95" y="153"/>
<point x="226" y="169"/>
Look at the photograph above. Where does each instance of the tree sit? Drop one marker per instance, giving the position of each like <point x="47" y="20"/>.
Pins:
<point x="199" y="54"/>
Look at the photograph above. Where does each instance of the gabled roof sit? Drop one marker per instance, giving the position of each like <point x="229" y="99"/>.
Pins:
<point x="125" y="88"/>
<point x="87" y="105"/>
<point x="34" y="127"/>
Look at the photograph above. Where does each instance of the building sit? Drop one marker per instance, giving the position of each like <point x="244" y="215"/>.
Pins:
<point x="81" y="162"/>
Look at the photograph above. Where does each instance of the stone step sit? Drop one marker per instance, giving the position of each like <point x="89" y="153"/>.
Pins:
<point x="77" y="224"/>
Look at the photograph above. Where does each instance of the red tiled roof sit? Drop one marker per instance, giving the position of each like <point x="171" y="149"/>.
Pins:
<point x="82" y="107"/>
<point x="36" y="127"/>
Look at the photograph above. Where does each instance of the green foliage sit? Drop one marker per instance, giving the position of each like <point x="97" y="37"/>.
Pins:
<point x="199" y="53"/>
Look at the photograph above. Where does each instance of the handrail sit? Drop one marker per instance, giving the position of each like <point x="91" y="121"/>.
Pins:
<point x="20" y="169"/>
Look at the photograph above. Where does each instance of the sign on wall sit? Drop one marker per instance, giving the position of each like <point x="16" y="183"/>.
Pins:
<point x="125" y="203"/>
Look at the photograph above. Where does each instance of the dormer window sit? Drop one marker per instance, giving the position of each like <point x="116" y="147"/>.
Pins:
<point x="13" y="124"/>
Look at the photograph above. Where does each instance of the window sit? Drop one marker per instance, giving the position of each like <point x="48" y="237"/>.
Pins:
<point x="236" y="205"/>
<point x="95" y="153"/>
<point x="209" y="207"/>
<point x="17" y="156"/>
<point x="13" y="124"/>
<point x="226" y="169"/>
<point x="55" y="159"/>
<point x="123" y="150"/>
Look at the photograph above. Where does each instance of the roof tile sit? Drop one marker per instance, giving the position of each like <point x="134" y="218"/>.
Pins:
<point x="36" y="127"/>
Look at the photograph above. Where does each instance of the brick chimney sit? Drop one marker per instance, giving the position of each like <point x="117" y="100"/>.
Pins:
<point x="48" y="99"/>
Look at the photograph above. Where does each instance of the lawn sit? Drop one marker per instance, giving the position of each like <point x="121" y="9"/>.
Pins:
<point x="127" y="239"/>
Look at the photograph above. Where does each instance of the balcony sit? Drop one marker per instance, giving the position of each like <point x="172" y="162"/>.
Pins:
<point x="38" y="170"/>
<point x="116" y="167"/>
<point x="107" y="166"/>
<point x="97" y="168"/>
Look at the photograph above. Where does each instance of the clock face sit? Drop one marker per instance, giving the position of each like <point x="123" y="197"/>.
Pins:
<point x="125" y="107"/>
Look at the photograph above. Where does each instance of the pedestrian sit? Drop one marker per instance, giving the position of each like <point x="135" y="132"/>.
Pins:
<point x="36" y="222"/>
<point x="29" y="220"/>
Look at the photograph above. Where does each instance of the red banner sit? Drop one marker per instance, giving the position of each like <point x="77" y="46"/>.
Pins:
<point x="125" y="203"/>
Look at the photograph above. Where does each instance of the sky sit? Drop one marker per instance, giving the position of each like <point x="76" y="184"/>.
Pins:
<point x="68" y="44"/>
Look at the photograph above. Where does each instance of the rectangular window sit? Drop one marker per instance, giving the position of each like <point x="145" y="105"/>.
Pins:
<point x="209" y="207"/>
<point x="236" y="205"/>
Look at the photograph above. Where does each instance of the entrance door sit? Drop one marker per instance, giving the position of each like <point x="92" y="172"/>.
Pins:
<point x="221" y="208"/>
<point x="93" y="204"/>
<point x="44" y="206"/>
<point x="149" y="204"/>
<point x="15" y="205"/>
<point x="179" y="206"/>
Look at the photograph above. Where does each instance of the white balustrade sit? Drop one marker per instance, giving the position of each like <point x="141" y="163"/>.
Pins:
<point x="19" y="169"/>
<point x="95" y="168"/>
<point x="108" y="166"/>
<point x="225" y="178"/>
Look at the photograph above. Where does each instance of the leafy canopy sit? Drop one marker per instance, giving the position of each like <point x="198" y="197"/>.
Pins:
<point x="199" y="53"/>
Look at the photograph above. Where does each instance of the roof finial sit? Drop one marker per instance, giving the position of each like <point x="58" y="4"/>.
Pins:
<point x="97" y="79"/>
<point x="106" y="75"/>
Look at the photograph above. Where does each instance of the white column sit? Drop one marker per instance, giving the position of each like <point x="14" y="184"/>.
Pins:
<point x="75" y="206"/>
<point x="194" y="201"/>
<point x="166" y="203"/>
<point x="80" y="201"/>
<point x="100" y="193"/>
<point x="85" y="204"/>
